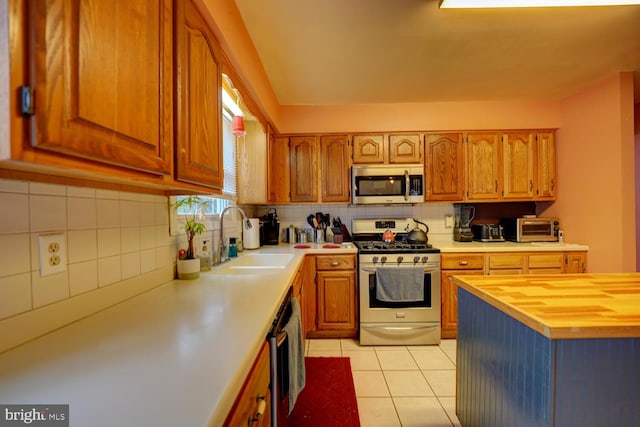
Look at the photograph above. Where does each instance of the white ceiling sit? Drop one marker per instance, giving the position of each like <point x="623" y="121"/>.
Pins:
<point x="328" y="52"/>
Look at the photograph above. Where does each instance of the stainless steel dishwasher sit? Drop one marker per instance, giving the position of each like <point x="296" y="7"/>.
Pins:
<point x="279" y="361"/>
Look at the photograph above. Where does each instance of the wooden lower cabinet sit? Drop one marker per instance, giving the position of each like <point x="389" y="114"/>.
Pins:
<point x="252" y="406"/>
<point x="498" y="263"/>
<point x="455" y="265"/>
<point x="545" y="263"/>
<point x="505" y="264"/>
<point x="575" y="262"/>
<point x="336" y="300"/>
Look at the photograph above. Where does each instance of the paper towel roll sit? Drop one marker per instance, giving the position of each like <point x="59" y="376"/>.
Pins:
<point x="251" y="236"/>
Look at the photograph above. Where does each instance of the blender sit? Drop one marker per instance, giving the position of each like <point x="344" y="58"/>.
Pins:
<point x="463" y="215"/>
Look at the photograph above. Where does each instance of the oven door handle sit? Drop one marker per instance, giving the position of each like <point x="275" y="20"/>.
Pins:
<point x="407" y="185"/>
<point x="398" y="328"/>
<point x="373" y="270"/>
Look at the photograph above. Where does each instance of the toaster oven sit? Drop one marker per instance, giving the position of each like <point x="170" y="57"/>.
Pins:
<point x="530" y="229"/>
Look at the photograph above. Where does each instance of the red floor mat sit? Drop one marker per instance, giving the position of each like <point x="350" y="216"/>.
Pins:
<point x="329" y="397"/>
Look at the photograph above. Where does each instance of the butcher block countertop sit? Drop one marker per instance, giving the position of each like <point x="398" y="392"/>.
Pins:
<point x="449" y="246"/>
<point x="565" y="306"/>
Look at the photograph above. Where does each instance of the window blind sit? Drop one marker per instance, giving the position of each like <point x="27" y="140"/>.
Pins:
<point x="229" y="157"/>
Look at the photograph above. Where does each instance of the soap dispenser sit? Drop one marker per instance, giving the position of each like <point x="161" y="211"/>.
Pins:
<point x="205" y="257"/>
<point x="233" y="249"/>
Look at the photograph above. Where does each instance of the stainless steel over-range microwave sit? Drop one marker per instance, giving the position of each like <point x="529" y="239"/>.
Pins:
<point x="387" y="184"/>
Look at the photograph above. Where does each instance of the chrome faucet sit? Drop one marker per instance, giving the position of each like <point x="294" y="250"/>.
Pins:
<point x="222" y="248"/>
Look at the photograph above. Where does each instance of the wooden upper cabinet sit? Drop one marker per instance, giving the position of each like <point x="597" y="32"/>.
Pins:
<point x="369" y="149"/>
<point x="103" y="79"/>
<point x="199" y="100"/>
<point x="444" y="167"/>
<point x="483" y="166"/>
<point x="405" y="148"/>
<point x="252" y="165"/>
<point x="518" y="165"/>
<point x="546" y="170"/>
<point x="335" y="182"/>
<point x="303" y="166"/>
<point x="278" y="187"/>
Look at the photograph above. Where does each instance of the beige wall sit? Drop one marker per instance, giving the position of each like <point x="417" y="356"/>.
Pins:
<point x="595" y="163"/>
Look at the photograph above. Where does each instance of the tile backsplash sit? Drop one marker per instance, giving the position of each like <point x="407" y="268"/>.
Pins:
<point x="111" y="236"/>
<point x="432" y="214"/>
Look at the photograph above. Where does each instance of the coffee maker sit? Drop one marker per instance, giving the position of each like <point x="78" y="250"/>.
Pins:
<point x="463" y="215"/>
<point x="269" y="228"/>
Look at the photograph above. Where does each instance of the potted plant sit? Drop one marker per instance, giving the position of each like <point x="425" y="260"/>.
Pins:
<point x="192" y="207"/>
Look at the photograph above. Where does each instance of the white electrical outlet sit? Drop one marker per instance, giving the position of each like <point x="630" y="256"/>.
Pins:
<point x="448" y="221"/>
<point x="53" y="254"/>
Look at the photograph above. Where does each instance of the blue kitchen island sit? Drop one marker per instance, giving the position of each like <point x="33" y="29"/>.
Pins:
<point x="556" y="350"/>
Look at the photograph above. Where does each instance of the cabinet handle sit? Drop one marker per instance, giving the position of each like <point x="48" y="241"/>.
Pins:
<point x="262" y="406"/>
<point x="463" y="262"/>
<point x="530" y="185"/>
<point x="334" y="263"/>
<point x="496" y="185"/>
<point x="552" y="184"/>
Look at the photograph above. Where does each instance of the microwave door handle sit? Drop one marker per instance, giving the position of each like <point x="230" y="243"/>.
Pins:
<point x="406" y="185"/>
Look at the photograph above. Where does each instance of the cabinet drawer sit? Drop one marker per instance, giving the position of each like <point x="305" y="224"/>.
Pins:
<point x="462" y="262"/>
<point x="335" y="262"/>
<point x="254" y="390"/>
<point x="506" y="261"/>
<point x="553" y="260"/>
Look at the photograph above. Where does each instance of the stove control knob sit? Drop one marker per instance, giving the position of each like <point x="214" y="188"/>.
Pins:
<point x="399" y="260"/>
<point x="375" y="259"/>
<point x="416" y="259"/>
<point x="424" y="259"/>
<point x="383" y="259"/>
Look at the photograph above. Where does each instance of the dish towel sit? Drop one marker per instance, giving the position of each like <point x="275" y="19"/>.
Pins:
<point x="395" y="284"/>
<point x="297" y="376"/>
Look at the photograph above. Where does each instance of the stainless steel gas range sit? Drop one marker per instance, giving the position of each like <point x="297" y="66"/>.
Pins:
<point x="399" y="284"/>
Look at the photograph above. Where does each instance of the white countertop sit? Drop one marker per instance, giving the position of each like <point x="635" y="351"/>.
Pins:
<point x="176" y="355"/>
<point x="452" y="246"/>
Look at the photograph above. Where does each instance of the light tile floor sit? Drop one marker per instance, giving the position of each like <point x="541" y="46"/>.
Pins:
<point x="399" y="385"/>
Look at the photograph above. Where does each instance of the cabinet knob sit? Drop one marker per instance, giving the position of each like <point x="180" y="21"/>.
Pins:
<point x="262" y="406"/>
<point x="334" y="263"/>
<point x="463" y="262"/>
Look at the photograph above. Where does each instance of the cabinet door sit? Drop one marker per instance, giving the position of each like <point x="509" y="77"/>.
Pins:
<point x="335" y="168"/>
<point x="303" y="169"/>
<point x="517" y="163"/>
<point x="102" y="75"/>
<point x="575" y="262"/>
<point x="255" y="389"/>
<point x="278" y="189"/>
<point x="336" y="300"/>
<point x="310" y="301"/>
<point x="252" y="165"/>
<point x="445" y="167"/>
<point x="199" y="115"/>
<point x="483" y="166"/>
<point x="546" y="171"/>
<point x="369" y="149"/>
<point x="405" y="148"/>
<point x="449" y="302"/>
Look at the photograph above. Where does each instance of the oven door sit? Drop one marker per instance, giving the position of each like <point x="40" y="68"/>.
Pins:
<point x="374" y="310"/>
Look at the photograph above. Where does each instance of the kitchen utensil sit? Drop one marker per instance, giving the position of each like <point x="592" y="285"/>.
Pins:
<point x="417" y="235"/>
<point x="310" y="220"/>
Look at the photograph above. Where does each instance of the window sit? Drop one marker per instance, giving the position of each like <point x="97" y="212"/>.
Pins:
<point x="232" y="105"/>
